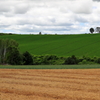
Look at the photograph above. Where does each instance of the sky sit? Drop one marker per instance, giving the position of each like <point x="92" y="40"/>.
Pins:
<point x="49" y="16"/>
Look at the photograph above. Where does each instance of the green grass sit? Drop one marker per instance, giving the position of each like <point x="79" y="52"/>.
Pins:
<point x="50" y="67"/>
<point x="60" y="45"/>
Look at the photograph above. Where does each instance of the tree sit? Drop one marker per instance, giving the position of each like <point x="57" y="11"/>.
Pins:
<point x="71" y="60"/>
<point x="4" y="45"/>
<point x="40" y="33"/>
<point x="91" y="30"/>
<point x="1" y="50"/>
<point x="28" y="60"/>
<point x="98" y="29"/>
<point x="13" y="56"/>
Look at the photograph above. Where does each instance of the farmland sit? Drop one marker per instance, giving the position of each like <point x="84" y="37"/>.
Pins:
<point x="50" y="84"/>
<point x="60" y="45"/>
<point x="97" y="66"/>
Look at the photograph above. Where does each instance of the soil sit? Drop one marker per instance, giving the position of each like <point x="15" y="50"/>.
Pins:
<point x="50" y="84"/>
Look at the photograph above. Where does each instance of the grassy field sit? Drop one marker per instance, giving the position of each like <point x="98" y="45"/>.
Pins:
<point x="60" y="45"/>
<point x="77" y="84"/>
<point x="50" y="67"/>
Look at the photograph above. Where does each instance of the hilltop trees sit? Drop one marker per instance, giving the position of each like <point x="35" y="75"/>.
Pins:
<point x="98" y="29"/>
<point x="40" y="33"/>
<point x="91" y="30"/>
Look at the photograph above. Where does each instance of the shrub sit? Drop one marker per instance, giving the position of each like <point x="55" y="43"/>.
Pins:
<point x="49" y="59"/>
<point x="27" y="58"/>
<point x="71" y="60"/>
<point x="84" y="62"/>
<point x="97" y="60"/>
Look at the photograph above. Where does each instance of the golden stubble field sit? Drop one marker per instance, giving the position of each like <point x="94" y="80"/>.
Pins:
<point x="60" y="84"/>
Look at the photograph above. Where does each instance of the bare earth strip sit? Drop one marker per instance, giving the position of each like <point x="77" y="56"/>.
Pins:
<point x="50" y="84"/>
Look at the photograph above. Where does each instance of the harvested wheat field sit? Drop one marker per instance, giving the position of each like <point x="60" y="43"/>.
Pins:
<point x="60" y="84"/>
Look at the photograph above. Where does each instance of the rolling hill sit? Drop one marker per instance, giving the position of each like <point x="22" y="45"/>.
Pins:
<point x="61" y="45"/>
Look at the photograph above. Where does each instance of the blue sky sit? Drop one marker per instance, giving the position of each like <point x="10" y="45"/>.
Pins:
<point x="49" y="16"/>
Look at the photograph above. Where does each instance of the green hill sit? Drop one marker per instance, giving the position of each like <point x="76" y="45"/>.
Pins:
<point x="61" y="45"/>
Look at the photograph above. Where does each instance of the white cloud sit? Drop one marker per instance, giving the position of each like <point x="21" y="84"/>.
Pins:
<point x="49" y="16"/>
<point x="21" y="8"/>
<point x="4" y="7"/>
<point x="81" y="6"/>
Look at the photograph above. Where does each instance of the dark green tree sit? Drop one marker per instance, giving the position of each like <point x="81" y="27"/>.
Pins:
<point x="13" y="56"/>
<point x="27" y="58"/>
<point x="71" y="60"/>
<point x="91" y="30"/>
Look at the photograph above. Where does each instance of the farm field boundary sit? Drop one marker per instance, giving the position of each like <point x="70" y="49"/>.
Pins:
<point x="49" y="66"/>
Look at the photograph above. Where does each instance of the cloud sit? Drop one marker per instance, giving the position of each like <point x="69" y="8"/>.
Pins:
<point x="97" y="0"/>
<point x="4" y="7"/>
<point x="81" y="6"/>
<point x="49" y="16"/>
<point x="21" y="8"/>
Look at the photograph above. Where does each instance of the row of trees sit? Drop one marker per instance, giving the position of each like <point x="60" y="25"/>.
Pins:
<point x="71" y="60"/>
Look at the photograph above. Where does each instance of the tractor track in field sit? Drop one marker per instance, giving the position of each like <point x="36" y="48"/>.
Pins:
<point x="64" y="84"/>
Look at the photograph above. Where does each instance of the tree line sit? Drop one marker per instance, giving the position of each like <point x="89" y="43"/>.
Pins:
<point x="70" y="60"/>
<point x="10" y="54"/>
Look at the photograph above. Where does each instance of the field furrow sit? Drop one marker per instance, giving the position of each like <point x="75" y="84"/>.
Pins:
<point x="67" y="84"/>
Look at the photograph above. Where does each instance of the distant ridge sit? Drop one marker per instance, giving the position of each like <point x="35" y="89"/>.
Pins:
<point x="61" y="45"/>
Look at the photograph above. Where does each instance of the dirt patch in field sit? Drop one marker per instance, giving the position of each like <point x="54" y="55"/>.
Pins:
<point x="64" y="84"/>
